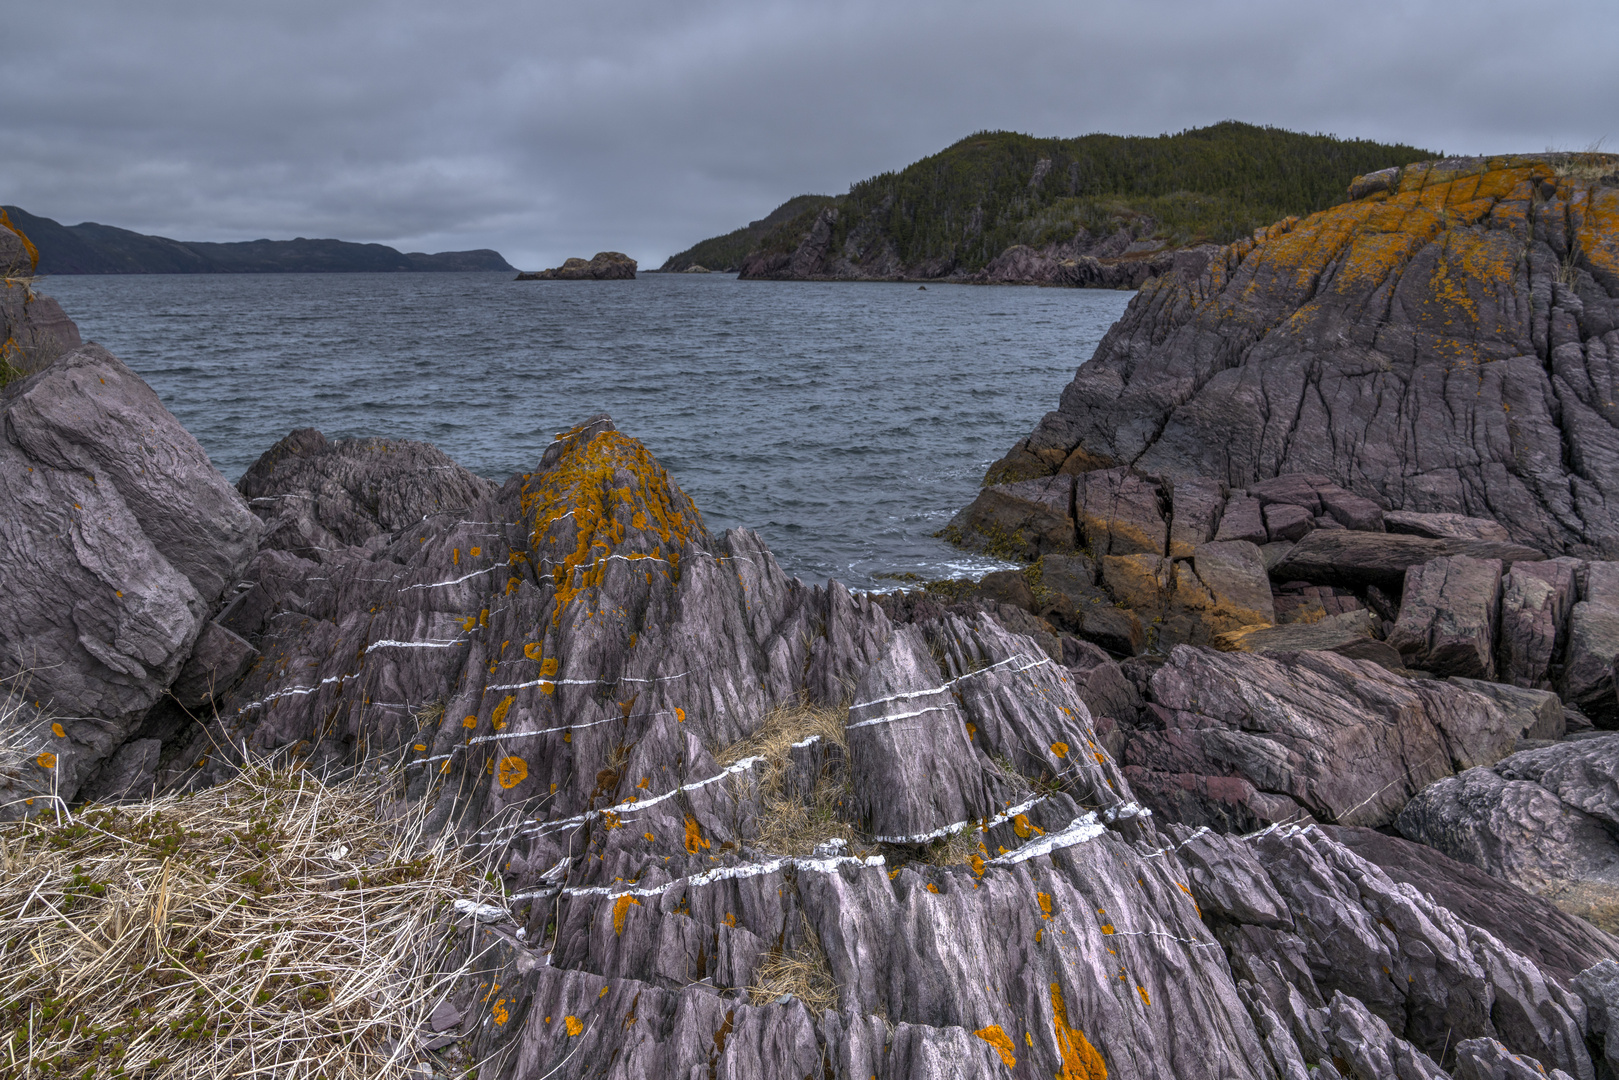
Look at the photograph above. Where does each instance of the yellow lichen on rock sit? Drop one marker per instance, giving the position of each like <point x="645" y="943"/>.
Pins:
<point x="601" y="493"/>
<point x="1080" y="1060"/>
<point x="996" y="1037"/>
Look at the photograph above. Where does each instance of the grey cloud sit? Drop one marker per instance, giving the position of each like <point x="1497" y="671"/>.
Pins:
<point x="548" y="130"/>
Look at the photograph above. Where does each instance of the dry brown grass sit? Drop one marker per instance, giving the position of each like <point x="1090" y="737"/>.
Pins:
<point x="788" y="825"/>
<point x="270" y="926"/>
<point x="804" y="974"/>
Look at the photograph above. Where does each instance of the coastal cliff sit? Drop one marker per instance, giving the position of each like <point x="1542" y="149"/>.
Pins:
<point x="734" y="825"/>
<point x="1096" y="211"/>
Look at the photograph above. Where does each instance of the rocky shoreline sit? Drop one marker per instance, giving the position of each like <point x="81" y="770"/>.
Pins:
<point x="1248" y="774"/>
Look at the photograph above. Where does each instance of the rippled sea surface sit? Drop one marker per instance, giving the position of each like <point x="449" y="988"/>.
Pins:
<point x="844" y="421"/>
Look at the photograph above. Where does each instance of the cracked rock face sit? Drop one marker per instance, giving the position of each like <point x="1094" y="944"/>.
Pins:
<point x="1440" y="345"/>
<point x="117" y="537"/>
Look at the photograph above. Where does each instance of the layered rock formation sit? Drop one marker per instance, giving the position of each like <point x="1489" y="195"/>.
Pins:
<point x="747" y="827"/>
<point x="603" y="266"/>
<point x="1440" y="344"/>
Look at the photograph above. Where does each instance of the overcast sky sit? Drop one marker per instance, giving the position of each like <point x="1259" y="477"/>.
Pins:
<point x="546" y="130"/>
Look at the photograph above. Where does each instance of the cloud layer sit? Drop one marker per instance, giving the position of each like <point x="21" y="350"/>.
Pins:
<point x="547" y="129"/>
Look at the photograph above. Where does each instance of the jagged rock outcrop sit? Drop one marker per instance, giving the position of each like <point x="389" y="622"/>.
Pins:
<point x="318" y="496"/>
<point x="1440" y="344"/>
<point x="117" y="539"/>
<point x="603" y="266"/>
<point x="595" y="694"/>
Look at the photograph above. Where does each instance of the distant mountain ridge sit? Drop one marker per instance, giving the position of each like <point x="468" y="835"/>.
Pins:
<point x="90" y="248"/>
<point x="1100" y="209"/>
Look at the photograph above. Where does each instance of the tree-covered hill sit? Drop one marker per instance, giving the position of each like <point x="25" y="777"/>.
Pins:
<point x="727" y="252"/>
<point x="955" y="212"/>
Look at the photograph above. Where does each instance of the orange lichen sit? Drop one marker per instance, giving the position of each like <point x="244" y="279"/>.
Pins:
<point x="1060" y="749"/>
<point x="499" y="1013"/>
<point x="47" y="760"/>
<point x="470" y="722"/>
<point x="573" y="1025"/>
<point x="497" y="719"/>
<point x="56" y="729"/>
<point x="596" y="493"/>
<point x="680" y="715"/>
<point x="534" y="650"/>
<point x="1045" y="904"/>
<point x="695" y="840"/>
<point x="475" y="552"/>
<point x="513" y="771"/>
<point x="28" y="245"/>
<point x="621" y="911"/>
<point x="1025" y="828"/>
<point x="729" y="920"/>
<point x="932" y="888"/>
<point x="1146" y="998"/>
<point x="1080" y="1060"/>
<point x="1000" y="1041"/>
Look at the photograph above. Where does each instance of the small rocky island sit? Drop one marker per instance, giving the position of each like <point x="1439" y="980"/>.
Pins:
<point x="1291" y="752"/>
<point x="604" y="266"/>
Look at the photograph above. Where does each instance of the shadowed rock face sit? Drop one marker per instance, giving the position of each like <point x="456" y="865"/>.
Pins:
<point x="1442" y="344"/>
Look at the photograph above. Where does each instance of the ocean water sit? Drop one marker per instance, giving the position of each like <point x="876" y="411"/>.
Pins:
<point x="845" y="421"/>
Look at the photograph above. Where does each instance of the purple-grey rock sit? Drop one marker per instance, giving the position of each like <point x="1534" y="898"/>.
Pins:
<point x="1359" y="559"/>
<point x="1195" y="509"/>
<point x="1539" y="713"/>
<point x="1284" y="521"/>
<point x="1536" y="598"/>
<point x="1587" y="677"/>
<point x="1350" y="634"/>
<point x="316" y="495"/>
<point x="1118" y="512"/>
<point x="1448" y="615"/>
<point x="1276" y="361"/>
<point x="1020" y="520"/>
<point x="116" y="537"/>
<point x="1243" y="520"/>
<point x="1283" y="725"/>
<point x="1444" y="526"/>
<point x="1350" y="510"/>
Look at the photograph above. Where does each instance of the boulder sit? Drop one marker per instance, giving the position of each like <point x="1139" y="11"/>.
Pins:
<point x="1283" y="725"/>
<point x="1350" y="510"/>
<point x="1292" y="489"/>
<point x="1285" y="522"/>
<point x="1448" y="615"/>
<point x="1299" y="602"/>
<point x="1535" y="601"/>
<point x="1233" y="573"/>
<point x="1243" y="519"/>
<point x="1444" y="526"/>
<point x="1350" y="633"/>
<point x="1359" y="559"/>
<point x="1325" y="346"/>
<point x="1538" y="713"/>
<point x="1541" y="819"/>
<point x="316" y="496"/>
<point x="1560" y="944"/>
<point x="1119" y="513"/>
<point x="603" y="266"/>
<point x="1021" y="520"/>
<point x="118" y="538"/>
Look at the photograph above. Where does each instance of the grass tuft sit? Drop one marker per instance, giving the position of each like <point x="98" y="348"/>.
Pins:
<point x="804" y="973"/>
<point x="788" y="825"/>
<point x="273" y="925"/>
